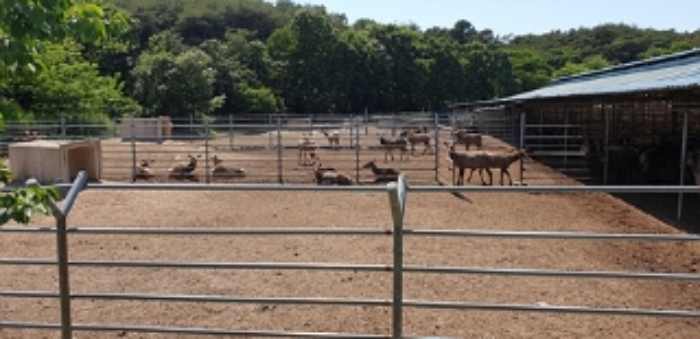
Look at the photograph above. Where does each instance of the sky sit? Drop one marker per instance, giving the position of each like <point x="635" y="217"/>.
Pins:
<point x="519" y="17"/>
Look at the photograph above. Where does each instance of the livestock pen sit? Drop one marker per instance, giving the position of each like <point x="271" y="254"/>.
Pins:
<point x="265" y="146"/>
<point x="308" y="261"/>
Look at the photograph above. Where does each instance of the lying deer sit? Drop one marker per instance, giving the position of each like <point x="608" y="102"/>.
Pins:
<point x="391" y="145"/>
<point x="328" y="175"/>
<point x="222" y="171"/>
<point x="185" y="171"/>
<point x="143" y="170"/>
<point x="382" y="174"/>
<point x="29" y="136"/>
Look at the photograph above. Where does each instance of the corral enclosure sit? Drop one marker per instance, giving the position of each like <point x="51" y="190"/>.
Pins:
<point x="266" y="146"/>
<point x="215" y="246"/>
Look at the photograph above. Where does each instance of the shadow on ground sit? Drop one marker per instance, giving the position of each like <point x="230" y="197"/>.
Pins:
<point x="665" y="208"/>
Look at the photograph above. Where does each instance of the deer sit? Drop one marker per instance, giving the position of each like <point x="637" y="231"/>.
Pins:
<point x="382" y="174"/>
<point x="467" y="139"/>
<point x="417" y="136"/>
<point x="29" y="136"/>
<point x="307" y="149"/>
<point x="391" y="145"/>
<point x="333" y="137"/>
<point x="222" y="171"/>
<point x="143" y="170"/>
<point x="478" y="160"/>
<point x="185" y="171"/>
<point x="328" y="175"/>
<point x="502" y="160"/>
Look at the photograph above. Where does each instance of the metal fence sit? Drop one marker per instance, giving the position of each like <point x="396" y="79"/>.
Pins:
<point x="397" y="192"/>
<point x="266" y="146"/>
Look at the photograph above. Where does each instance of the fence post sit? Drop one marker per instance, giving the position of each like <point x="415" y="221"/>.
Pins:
<point x="393" y="124"/>
<point x="357" y="151"/>
<point x="437" y="147"/>
<point x="351" y="141"/>
<point x="366" y="121"/>
<point x="684" y="148"/>
<point x="191" y="126"/>
<point x="63" y="127"/>
<point x="61" y="216"/>
<point x="207" y="175"/>
<point x="522" y="146"/>
<point x="230" y="131"/>
<point x="606" y="143"/>
<point x="566" y="137"/>
<point x="269" y="133"/>
<point x="279" y="151"/>
<point x="311" y="122"/>
<point x="397" y="199"/>
<point x="133" y="149"/>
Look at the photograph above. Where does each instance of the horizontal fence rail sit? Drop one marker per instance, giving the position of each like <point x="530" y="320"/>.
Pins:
<point x="398" y="193"/>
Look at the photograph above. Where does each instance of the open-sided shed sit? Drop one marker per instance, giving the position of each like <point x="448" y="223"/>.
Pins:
<point x="623" y="124"/>
<point x="55" y="161"/>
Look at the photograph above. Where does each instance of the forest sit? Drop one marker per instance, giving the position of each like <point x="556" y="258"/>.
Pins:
<point x="219" y="57"/>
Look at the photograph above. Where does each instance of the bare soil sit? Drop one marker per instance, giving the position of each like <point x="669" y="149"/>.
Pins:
<point x="487" y="211"/>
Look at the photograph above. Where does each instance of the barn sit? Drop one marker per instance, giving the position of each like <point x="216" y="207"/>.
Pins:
<point x="632" y="124"/>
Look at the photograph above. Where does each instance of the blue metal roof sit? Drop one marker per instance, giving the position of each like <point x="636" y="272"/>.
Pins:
<point x="680" y="70"/>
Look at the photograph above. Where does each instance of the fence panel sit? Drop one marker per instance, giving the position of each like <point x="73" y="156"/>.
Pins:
<point x="398" y="193"/>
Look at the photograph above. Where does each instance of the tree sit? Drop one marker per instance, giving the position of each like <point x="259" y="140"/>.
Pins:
<point x="71" y="86"/>
<point x="176" y="85"/>
<point x="25" y="26"/>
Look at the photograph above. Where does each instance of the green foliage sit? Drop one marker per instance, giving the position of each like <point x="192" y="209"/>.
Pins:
<point x="21" y="204"/>
<point x="26" y="27"/>
<point x="257" y="100"/>
<point x="176" y="85"/>
<point x="69" y="86"/>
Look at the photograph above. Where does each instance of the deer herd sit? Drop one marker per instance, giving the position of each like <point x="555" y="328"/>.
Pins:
<point x="479" y="159"/>
<point x="475" y="160"/>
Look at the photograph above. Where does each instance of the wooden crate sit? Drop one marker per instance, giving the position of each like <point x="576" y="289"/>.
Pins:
<point x="55" y="161"/>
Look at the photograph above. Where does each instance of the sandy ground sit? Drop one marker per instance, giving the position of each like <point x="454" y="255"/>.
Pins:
<point x="489" y="211"/>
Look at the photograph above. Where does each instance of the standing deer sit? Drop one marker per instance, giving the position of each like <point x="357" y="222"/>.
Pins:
<point x="391" y="145"/>
<point x="333" y="137"/>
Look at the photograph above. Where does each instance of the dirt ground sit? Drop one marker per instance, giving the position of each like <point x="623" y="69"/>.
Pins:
<point x="487" y="211"/>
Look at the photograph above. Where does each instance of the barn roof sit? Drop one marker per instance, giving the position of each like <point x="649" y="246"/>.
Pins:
<point x="673" y="71"/>
<point x="678" y="70"/>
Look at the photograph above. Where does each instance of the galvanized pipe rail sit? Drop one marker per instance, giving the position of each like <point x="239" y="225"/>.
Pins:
<point x="397" y="194"/>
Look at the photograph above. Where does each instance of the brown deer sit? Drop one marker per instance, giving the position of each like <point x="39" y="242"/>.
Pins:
<point x="382" y="174"/>
<point x="328" y="175"/>
<point x="307" y="151"/>
<point x="185" y="171"/>
<point x="467" y="139"/>
<point x="333" y="137"/>
<point x="143" y="170"/>
<point x="417" y="136"/>
<point x="390" y="145"/>
<point x="221" y="171"/>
